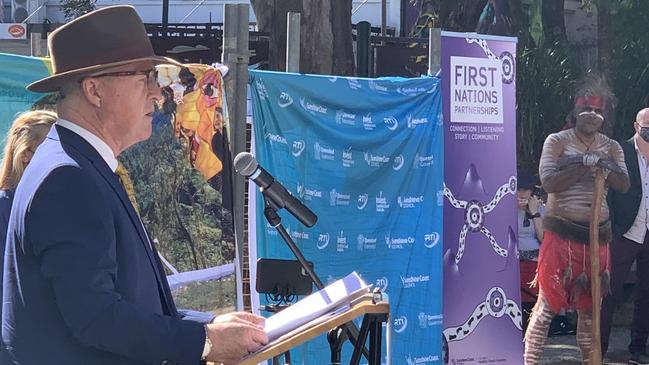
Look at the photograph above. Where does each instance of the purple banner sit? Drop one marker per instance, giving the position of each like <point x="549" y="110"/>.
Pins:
<point x="482" y="315"/>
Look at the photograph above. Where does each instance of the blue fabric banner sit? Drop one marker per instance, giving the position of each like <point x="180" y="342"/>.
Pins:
<point x="17" y="73"/>
<point x="366" y="156"/>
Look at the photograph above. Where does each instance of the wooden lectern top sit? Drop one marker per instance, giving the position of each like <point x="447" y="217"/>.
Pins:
<point x="313" y="329"/>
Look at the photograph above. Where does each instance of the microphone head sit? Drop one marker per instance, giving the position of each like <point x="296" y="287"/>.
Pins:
<point x="245" y="163"/>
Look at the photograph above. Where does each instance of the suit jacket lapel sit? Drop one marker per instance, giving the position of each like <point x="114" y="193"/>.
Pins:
<point x="631" y="158"/>
<point x="82" y="146"/>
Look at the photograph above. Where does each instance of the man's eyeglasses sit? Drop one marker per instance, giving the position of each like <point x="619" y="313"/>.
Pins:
<point x="151" y="76"/>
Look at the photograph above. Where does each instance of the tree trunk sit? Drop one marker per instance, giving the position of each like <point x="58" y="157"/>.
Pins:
<point x="271" y="17"/>
<point x="520" y="24"/>
<point x="605" y="56"/>
<point x="554" y="27"/>
<point x="325" y="34"/>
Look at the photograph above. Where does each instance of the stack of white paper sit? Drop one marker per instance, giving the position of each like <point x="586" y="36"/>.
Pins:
<point x="327" y="300"/>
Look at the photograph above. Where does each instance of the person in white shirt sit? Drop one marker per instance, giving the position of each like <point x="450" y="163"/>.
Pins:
<point x="630" y="222"/>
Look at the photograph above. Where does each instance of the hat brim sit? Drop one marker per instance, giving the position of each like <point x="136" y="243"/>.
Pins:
<point x="54" y="82"/>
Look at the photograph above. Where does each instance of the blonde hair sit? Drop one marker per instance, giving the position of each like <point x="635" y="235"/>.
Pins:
<point x="26" y="133"/>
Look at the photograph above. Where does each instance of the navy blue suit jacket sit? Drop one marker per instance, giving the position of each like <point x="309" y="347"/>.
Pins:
<point x="81" y="283"/>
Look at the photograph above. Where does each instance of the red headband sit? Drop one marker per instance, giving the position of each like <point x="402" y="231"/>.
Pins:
<point x="591" y="101"/>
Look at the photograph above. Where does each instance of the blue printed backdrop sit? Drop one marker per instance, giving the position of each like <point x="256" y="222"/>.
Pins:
<point x="366" y="156"/>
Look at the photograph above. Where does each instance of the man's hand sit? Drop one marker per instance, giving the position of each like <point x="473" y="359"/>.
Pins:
<point x="533" y="205"/>
<point x="590" y="159"/>
<point x="234" y="336"/>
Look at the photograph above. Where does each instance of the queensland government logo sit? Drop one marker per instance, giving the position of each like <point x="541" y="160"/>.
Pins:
<point x="323" y="241"/>
<point x="398" y="243"/>
<point x="376" y="87"/>
<point x="297" y="148"/>
<point x="341" y="242"/>
<point x="382" y="203"/>
<point x="429" y="320"/>
<point x="362" y="200"/>
<point x="342" y="117"/>
<point x="336" y="198"/>
<point x="365" y="243"/>
<point x="412" y="281"/>
<point x="354" y="84"/>
<point x="422" y="161"/>
<point x="284" y="100"/>
<point x="400" y="324"/>
<point x="321" y="152"/>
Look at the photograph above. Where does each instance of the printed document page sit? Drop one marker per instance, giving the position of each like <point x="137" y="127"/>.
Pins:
<point x="324" y="301"/>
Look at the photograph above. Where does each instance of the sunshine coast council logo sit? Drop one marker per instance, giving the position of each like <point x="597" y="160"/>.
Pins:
<point x="414" y="122"/>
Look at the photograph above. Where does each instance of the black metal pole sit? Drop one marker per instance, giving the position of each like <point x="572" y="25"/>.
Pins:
<point x="270" y="212"/>
<point x="165" y="16"/>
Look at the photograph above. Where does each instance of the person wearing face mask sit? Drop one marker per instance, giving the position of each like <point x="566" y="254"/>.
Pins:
<point x="630" y="222"/>
<point x="563" y="273"/>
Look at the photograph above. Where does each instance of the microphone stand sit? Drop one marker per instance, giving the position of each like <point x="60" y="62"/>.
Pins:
<point x="270" y="212"/>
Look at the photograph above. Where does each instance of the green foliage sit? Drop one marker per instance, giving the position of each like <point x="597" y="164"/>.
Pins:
<point x="545" y="81"/>
<point x="629" y="29"/>
<point x="178" y="207"/>
<point x="75" y="8"/>
<point x="216" y="296"/>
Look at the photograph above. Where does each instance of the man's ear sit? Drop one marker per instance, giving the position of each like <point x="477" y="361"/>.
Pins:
<point x="92" y="91"/>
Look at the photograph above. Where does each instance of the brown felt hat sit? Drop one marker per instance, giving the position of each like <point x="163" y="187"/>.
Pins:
<point x="108" y="37"/>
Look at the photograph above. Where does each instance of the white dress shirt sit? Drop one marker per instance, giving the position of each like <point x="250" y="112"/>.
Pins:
<point x="639" y="228"/>
<point x="102" y="148"/>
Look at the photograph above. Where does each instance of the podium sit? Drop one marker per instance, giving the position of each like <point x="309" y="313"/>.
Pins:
<point x="374" y="314"/>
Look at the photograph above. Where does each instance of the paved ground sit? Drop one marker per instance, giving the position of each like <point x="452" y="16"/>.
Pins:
<point x="563" y="350"/>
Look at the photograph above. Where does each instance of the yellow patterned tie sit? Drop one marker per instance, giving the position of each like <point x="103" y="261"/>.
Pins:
<point x="127" y="183"/>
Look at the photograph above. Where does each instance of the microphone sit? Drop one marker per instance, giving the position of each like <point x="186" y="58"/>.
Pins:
<point x="246" y="165"/>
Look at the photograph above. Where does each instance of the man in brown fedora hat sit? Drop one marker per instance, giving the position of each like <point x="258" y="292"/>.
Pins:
<point x="83" y="283"/>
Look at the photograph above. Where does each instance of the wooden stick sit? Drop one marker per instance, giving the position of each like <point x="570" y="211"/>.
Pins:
<point x="595" y="283"/>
